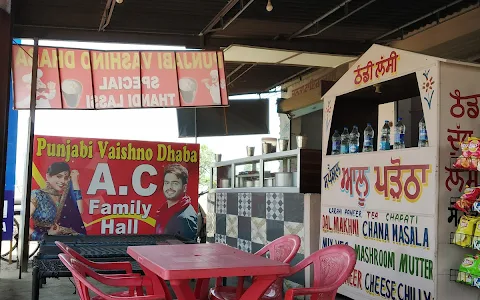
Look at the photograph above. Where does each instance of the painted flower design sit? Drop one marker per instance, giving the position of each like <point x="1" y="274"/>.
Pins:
<point x="428" y="85"/>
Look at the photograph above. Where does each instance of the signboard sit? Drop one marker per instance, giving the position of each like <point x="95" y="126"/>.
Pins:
<point x="383" y="204"/>
<point x="100" y="186"/>
<point x="88" y="79"/>
<point x="9" y="194"/>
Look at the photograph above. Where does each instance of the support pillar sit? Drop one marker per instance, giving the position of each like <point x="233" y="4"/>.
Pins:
<point x="5" y="57"/>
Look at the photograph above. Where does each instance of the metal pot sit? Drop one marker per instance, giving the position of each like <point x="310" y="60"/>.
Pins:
<point x="249" y="183"/>
<point x="267" y="148"/>
<point x="256" y="183"/>
<point x="284" y="179"/>
<point x="283" y="144"/>
<point x="224" y="183"/>
<point x="301" y="141"/>
<point x="250" y="151"/>
<point x="269" y="182"/>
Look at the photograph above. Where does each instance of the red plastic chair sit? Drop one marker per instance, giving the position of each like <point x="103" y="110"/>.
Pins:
<point x="331" y="267"/>
<point x="282" y="249"/>
<point x="114" y="266"/>
<point x="80" y="272"/>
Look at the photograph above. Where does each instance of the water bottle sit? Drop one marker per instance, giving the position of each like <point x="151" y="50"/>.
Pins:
<point x="399" y="135"/>
<point x="368" y="135"/>
<point x="385" y="137"/>
<point x="422" y="134"/>
<point x="354" y="140"/>
<point x="344" y="141"/>
<point x="336" y="142"/>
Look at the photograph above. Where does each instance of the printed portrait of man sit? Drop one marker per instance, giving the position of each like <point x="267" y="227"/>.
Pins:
<point x="177" y="215"/>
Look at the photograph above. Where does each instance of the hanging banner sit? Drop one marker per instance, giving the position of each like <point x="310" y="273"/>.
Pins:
<point x="88" y="79"/>
<point x="111" y="187"/>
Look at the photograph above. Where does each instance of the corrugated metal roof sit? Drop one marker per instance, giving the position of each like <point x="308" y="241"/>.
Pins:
<point x="181" y="21"/>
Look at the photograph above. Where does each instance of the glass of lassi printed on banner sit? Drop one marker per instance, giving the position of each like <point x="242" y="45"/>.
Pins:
<point x="71" y="91"/>
<point x="188" y="89"/>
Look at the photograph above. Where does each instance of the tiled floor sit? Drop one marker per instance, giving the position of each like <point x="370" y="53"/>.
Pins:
<point x="12" y="288"/>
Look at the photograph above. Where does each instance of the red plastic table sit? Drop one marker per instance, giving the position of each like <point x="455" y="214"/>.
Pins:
<point x="180" y="263"/>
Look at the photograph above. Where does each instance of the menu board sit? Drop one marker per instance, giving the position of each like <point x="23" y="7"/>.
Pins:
<point x="383" y="204"/>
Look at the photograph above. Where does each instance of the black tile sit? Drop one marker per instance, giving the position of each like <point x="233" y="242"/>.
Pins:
<point x="294" y="207"/>
<point x="210" y="240"/>
<point x="274" y="230"/>
<point x="258" y="205"/>
<point x="221" y="226"/>
<point x="298" y="277"/>
<point x="245" y="228"/>
<point x="256" y="247"/>
<point x="232" y="204"/>
<point x="232" y="242"/>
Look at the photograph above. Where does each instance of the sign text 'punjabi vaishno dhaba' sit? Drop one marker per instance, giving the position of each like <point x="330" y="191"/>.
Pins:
<point x="88" y="79"/>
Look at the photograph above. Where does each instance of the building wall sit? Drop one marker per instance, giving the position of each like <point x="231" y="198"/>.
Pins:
<point x="249" y="221"/>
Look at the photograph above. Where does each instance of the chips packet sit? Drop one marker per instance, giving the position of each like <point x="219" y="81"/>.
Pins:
<point x="476" y="237"/>
<point x="464" y="274"/>
<point x="465" y="230"/>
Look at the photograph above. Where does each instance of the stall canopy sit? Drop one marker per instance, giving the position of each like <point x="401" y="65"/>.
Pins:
<point x="341" y="27"/>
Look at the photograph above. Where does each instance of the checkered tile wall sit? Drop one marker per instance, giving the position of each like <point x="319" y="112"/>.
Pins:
<point x="249" y="221"/>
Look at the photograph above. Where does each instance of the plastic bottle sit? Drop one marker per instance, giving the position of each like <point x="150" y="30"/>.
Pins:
<point x="422" y="134"/>
<point x="336" y="143"/>
<point x="354" y="140"/>
<point x="385" y="137"/>
<point x="368" y="135"/>
<point x="399" y="135"/>
<point x="344" y="141"/>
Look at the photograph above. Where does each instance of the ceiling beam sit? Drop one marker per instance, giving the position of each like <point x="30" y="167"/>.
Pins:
<point x="338" y="21"/>
<point x="314" y="22"/>
<point x="107" y="14"/>
<point x="190" y="41"/>
<point x="225" y="10"/>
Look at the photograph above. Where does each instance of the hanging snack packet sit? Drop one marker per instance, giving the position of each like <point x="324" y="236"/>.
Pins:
<point x="463" y="161"/>
<point x="476" y="236"/>
<point x="467" y="200"/>
<point x="476" y="206"/>
<point x="474" y="149"/>
<point x="464" y="233"/>
<point x="476" y="282"/>
<point x="464" y="274"/>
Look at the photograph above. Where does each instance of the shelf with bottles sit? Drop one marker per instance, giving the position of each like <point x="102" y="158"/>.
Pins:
<point x="349" y="143"/>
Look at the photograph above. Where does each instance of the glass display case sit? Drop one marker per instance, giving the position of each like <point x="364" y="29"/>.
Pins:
<point x="273" y="171"/>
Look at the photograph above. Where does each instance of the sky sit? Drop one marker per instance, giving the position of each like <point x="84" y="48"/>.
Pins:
<point x="157" y="124"/>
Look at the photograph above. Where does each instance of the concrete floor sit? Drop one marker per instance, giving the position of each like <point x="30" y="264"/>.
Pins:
<point x="12" y="288"/>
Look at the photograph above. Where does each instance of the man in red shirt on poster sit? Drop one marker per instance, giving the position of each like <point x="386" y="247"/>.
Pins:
<point x="177" y="215"/>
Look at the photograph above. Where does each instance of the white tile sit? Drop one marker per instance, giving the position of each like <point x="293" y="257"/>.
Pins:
<point x="245" y="204"/>
<point x="297" y="229"/>
<point x="221" y="203"/>
<point x="232" y="226"/>
<point x="259" y="230"/>
<point x="275" y="206"/>
<point x="244" y="245"/>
